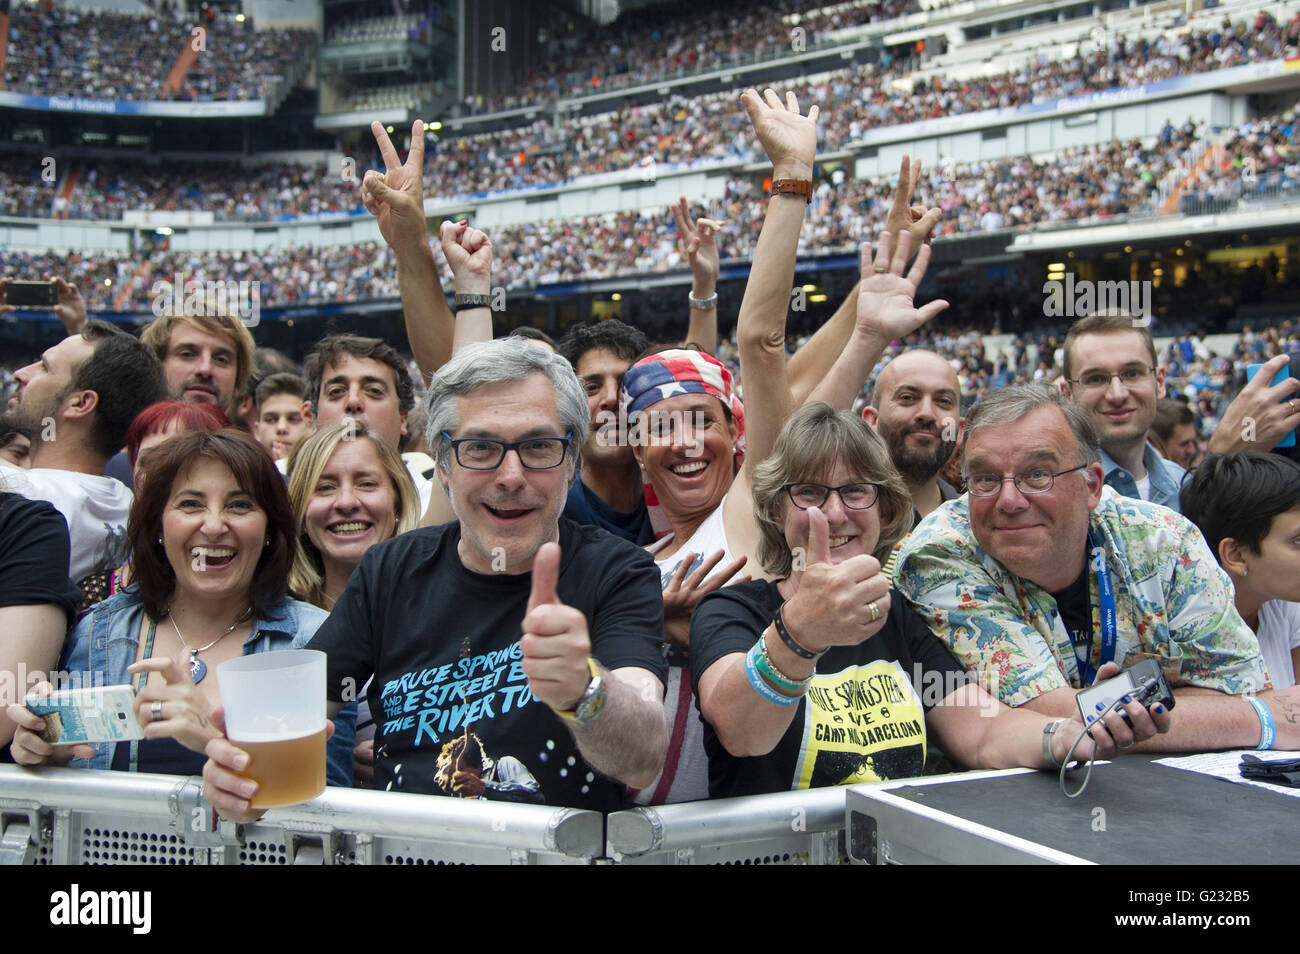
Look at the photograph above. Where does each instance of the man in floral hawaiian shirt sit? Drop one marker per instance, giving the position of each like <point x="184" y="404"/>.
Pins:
<point x="1010" y="578"/>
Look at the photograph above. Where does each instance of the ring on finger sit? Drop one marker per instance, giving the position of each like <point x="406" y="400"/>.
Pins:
<point x="155" y="710"/>
<point x="1129" y="746"/>
<point x="875" y="610"/>
<point x="1290" y="406"/>
<point x="879" y="269"/>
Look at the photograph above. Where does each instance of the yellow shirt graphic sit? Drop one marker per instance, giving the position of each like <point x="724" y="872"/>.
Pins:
<point x="861" y="724"/>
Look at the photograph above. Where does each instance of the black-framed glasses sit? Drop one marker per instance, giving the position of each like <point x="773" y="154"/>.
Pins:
<point x="535" y="453"/>
<point x="860" y="496"/>
<point x="1130" y="377"/>
<point x="1036" y="481"/>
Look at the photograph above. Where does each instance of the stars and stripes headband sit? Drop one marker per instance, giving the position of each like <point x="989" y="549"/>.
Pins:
<point x="667" y="374"/>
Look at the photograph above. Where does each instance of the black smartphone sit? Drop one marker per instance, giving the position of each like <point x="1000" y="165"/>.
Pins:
<point x="1145" y="682"/>
<point x="32" y="294"/>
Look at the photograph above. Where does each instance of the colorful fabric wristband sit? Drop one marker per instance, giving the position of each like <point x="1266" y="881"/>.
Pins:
<point x="768" y="669"/>
<point x="1268" y="729"/>
<point x="762" y="688"/>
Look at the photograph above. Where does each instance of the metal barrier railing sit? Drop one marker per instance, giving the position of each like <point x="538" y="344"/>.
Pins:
<point x="56" y="816"/>
<point x="805" y="827"/>
<point x="72" y="816"/>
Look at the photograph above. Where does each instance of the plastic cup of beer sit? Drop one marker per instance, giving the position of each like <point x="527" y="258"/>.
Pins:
<point x="275" y="711"/>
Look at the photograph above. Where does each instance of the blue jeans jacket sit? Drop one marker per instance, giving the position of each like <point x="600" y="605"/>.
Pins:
<point x="107" y="640"/>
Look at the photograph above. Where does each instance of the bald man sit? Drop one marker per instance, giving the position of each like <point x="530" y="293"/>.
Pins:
<point x="916" y="407"/>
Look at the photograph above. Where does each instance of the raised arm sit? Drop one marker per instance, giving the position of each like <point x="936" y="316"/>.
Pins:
<point x="700" y="247"/>
<point x="396" y="199"/>
<point x="811" y="363"/>
<point x="1261" y="415"/>
<point x="790" y="141"/>
<point x="886" y="310"/>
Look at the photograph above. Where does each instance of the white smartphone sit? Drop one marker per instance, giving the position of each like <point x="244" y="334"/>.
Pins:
<point x="95" y="714"/>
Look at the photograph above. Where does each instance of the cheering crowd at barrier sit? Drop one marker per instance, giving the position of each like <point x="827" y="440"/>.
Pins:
<point x="607" y="573"/>
<point x="64" y="51"/>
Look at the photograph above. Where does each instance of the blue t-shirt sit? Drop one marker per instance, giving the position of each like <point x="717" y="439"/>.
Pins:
<point x="586" y="508"/>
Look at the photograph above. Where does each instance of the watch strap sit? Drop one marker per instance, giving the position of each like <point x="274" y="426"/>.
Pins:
<point x="572" y="714"/>
<point x="800" y="187"/>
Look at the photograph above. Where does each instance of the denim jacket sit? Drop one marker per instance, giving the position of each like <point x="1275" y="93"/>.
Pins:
<point x="107" y="640"/>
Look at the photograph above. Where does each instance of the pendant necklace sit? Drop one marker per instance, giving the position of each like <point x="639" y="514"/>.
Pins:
<point x="198" y="668"/>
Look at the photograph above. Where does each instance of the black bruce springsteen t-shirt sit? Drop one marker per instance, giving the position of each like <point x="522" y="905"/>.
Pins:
<point x="863" y="718"/>
<point x="452" y="708"/>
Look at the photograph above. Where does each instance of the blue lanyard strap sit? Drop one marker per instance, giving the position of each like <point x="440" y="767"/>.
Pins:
<point x="1109" y="629"/>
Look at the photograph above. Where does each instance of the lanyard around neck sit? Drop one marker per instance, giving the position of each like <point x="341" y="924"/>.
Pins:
<point x="1109" y="629"/>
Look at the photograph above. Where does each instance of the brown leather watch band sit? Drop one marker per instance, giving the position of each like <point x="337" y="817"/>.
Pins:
<point x="800" y="187"/>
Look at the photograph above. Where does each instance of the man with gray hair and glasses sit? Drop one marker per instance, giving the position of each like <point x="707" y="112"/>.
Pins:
<point x="515" y="654"/>
<point x="1041" y="575"/>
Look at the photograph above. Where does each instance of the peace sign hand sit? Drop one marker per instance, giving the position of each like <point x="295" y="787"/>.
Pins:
<point x="396" y="196"/>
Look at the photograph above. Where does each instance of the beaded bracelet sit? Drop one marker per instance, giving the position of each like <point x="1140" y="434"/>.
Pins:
<point x="762" y="688"/>
<point x="766" y="667"/>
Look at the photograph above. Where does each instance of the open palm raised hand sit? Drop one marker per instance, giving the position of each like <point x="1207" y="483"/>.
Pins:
<point x="788" y="139"/>
<point x="886" y="298"/>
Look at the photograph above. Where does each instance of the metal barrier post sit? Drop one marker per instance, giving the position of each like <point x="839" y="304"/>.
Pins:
<point x="805" y="827"/>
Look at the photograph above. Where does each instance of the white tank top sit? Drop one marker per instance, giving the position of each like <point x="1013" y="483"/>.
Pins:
<point x="685" y="776"/>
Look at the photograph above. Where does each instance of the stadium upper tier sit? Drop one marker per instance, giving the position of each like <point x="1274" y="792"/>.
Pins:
<point x="665" y="42"/>
<point x="1086" y="185"/>
<point x="852" y="101"/>
<point x="708" y="128"/>
<point x="62" y="51"/>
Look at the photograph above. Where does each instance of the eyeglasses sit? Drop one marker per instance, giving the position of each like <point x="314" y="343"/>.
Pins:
<point x="1036" y="481"/>
<point x="1100" y="380"/>
<point x="854" y="496"/>
<point x="535" y="453"/>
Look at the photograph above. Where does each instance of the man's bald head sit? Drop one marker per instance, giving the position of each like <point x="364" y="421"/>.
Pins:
<point x="909" y="365"/>
<point x="916" y="407"/>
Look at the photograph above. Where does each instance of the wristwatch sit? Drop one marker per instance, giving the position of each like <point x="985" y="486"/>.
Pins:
<point x="592" y="700"/>
<point x="800" y="187"/>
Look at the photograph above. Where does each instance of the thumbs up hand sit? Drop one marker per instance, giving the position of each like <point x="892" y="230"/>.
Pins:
<point x="556" y="642"/>
<point x="834" y="604"/>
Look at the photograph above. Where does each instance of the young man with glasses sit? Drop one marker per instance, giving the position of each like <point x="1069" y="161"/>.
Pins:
<point x="1111" y="372"/>
<point x="436" y="615"/>
<point x="1042" y="574"/>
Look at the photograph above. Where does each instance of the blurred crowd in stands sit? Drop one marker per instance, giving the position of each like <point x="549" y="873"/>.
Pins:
<point x="65" y="51"/>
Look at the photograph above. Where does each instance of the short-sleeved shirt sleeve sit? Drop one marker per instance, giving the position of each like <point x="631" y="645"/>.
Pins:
<point x="1173" y="604"/>
<point x="34" y="555"/>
